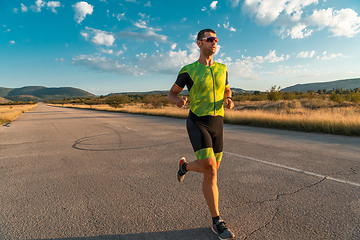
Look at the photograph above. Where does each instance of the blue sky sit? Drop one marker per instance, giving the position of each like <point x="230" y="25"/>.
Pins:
<point x="106" y="46"/>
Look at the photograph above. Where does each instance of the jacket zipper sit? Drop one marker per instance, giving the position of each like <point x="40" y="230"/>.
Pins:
<point x="212" y="75"/>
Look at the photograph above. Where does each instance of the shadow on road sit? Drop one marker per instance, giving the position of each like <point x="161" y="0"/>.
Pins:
<point x="198" y="233"/>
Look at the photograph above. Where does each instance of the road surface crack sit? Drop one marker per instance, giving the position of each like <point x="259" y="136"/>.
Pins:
<point x="277" y="209"/>
<point x="265" y="225"/>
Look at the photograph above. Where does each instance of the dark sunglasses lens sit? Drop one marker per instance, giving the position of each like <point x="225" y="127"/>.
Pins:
<point x="211" y="39"/>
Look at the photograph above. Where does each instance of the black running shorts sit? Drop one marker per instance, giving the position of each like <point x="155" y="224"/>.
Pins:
<point x="206" y="135"/>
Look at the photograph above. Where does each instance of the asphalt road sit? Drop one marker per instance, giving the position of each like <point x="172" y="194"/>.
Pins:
<point x="86" y="175"/>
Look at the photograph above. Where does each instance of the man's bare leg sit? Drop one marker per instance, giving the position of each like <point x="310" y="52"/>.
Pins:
<point x="208" y="167"/>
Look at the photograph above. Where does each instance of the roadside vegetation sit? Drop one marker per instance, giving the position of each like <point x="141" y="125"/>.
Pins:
<point x="10" y="111"/>
<point x="331" y="112"/>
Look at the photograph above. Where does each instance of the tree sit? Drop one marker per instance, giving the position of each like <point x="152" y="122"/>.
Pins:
<point x="274" y="94"/>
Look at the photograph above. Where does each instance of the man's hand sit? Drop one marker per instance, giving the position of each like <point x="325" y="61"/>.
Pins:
<point x="229" y="103"/>
<point x="181" y="102"/>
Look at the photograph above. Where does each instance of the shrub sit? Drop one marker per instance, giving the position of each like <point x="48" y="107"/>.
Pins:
<point x="116" y="100"/>
<point x="289" y="95"/>
<point x="337" y="97"/>
<point x="355" y="97"/>
<point x="154" y="100"/>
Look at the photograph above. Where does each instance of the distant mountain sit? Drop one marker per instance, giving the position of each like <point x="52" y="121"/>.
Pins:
<point x="234" y="90"/>
<point x="4" y="91"/>
<point x="40" y="93"/>
<point x="239" y="90"/>
<point x="24" y="90"/>
<point x="343" y="84"/>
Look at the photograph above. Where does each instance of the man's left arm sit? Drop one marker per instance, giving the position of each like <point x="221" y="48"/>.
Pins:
<point x="227" y="94"/>
<point x="228" y="99"/>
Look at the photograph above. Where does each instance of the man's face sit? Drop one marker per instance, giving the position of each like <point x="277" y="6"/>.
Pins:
<point x="208" y="48"/>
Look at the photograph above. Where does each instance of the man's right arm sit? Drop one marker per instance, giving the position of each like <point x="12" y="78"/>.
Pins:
<point x="174" y="98"/>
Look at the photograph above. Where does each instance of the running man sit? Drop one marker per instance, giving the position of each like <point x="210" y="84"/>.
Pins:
<point x="207" y="82"/>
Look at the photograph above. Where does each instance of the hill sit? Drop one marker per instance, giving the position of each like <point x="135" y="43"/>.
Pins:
<point x="4" y="100"/>
<point x="24" y="98"/>
<point x="40" y="93"/>
<point x="343" y="84"/>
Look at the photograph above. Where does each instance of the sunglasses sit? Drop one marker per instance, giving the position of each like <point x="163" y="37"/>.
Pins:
<point x="210" y="39"/>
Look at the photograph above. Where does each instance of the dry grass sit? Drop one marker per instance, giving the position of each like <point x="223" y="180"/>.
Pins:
<point x="168" y="111"/>
<point x="310" y="116"/>
<point x="10" y="112"/>
<point x="321" y="116"/>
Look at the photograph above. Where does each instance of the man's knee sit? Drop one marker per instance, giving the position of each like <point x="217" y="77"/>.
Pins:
<point x="209" y="166"/>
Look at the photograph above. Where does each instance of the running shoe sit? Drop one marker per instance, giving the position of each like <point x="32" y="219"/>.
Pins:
<point x="181" y="173"/>
<point x="222" y="231"/>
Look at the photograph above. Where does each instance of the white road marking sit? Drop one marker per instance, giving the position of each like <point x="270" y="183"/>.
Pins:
<point x="296" y="169"/>
<point x="123" y="127"/>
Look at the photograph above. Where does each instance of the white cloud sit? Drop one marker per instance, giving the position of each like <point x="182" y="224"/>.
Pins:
<point x="148" y="4"/>
<point x="288" y="15"/>
<point x="193" y="37"/>
<point x="140" y="24"/>
<point x="15" y="10"/>
<point x="271" y="57"/>
<point x="59" y="60"/>
<point x="109" y="51"/>
<point x="119" y="52"/>
<point x="218" y="47"/>
<point x="267" y="11"/>
<point x="81" y="10"/>
<point x="213" y="5"/>
<point x="345" y="22"/>
<point x="227" y="26"/>
<point x="240" y="68"/>
<point x="331" y="56"/>
<point x="52" y="5"/>
<point x="147" y="36"/>
<point x="162" y="62"/>
<point x="299" y="31"/>
<point x="173" y="46"/>
<point x="306" y="54"/>
<point x="38" y="5"/>
<point x="85" y="35"/>
<point x="244" y="67"/>
<point x="12" y="42"/>
<point x="98" y="37"/>
<point x="120" y="16"/>
<point x="23" y="8"/>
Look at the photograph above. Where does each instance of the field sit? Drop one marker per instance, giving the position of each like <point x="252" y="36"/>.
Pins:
<point x="316" y="115"/>
<point x="10" y="112"/>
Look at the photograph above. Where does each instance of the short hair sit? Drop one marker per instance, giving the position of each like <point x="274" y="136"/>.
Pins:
<point x="201" y="34"/>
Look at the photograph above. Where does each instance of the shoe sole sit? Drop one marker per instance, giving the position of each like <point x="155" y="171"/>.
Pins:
<point x="212" y="228"/>
<point x="182" y="160"/>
